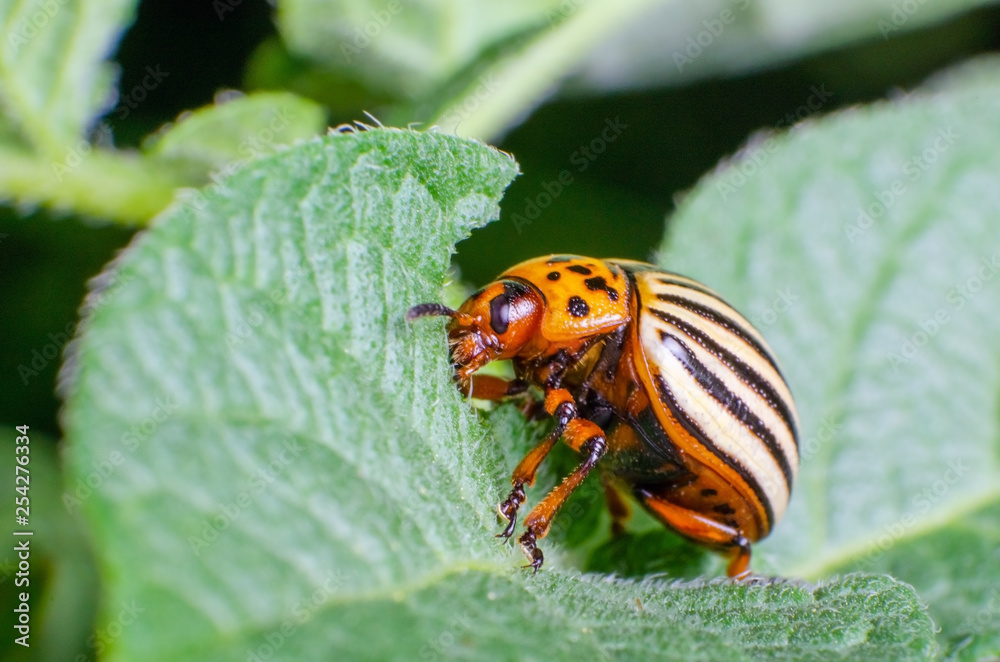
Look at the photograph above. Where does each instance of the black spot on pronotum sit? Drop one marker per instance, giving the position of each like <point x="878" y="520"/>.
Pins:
<point x="598" y="283"/>
<point x="554" y="275"/>
<point x="724" y="509"/>
<point x="708" y="491"/>
<point x="500" y="313"/>
<point x="578" y="307"/>
<point x="579" y="269"/>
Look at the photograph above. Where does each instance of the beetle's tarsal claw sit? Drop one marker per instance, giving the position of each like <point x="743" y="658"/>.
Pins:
<point x="508" y="508"/>
<point x="527" y="542"/>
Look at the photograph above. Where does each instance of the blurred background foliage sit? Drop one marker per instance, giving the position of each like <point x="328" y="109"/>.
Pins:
<point x="611" y="109"/>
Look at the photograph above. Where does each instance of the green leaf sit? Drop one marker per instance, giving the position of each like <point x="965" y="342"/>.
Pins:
<point x="54" y="79"/>
<point x="475" y="72"/>
<point x="865" y="246"/>
<point x="239" y="129"/>
<point x="88" y="180"/>
<point x="505" y="88"/>
<point x="404" y="46"/>
<point x="679" y="42"/>
<point x="300" y="476"/>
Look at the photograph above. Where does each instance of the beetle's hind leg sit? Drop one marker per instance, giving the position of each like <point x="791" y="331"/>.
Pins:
<point x="702" y="529"/>
<point x="618" y="507"/>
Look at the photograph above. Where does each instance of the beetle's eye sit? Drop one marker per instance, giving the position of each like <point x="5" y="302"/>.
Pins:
<point x="500" y="313"/>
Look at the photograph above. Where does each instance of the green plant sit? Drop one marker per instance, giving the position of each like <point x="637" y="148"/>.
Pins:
<point x="270" y="462"/>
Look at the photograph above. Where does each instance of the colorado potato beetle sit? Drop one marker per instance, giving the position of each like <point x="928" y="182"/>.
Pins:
<point x="649" y="373"/>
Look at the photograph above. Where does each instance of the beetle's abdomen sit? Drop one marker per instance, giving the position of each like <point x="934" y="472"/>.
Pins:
<point x="718" y="392"/>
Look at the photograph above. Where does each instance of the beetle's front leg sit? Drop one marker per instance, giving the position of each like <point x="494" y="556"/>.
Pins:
<point x="587" y="438"/>
<point x="559" y="404"/>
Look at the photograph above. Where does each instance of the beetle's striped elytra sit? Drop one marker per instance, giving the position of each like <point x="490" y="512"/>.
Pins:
<point x="649" y="373"/>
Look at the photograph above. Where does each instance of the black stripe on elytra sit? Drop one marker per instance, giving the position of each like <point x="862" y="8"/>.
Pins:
<point x="744" y="372"/>
<point x="736" y="407"/>
<point x="579" y="269"/>
<point x="598" y="283"/>
<point x="689" y="284"/>
<point x="723" y="320"/>
<point x="693" y="429"/>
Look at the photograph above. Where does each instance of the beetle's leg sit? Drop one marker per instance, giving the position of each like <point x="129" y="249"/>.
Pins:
<point x="525" y="474"/>
<point x="703" y="529"/>
<point x="617" y="506"/>
<point x="584" y="437"/>
<point x="558" y="403"/>
<point x="489" y="387"/>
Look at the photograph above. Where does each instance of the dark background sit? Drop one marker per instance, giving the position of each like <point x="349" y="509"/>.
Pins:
<point x="616" y="207"/>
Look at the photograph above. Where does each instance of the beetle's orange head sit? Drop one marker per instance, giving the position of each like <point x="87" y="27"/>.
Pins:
<point x="493" y="324"/>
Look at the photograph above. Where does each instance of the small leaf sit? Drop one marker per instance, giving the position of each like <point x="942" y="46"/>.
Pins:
<point x="239" y="129"/>
<point x="301" y="479"/>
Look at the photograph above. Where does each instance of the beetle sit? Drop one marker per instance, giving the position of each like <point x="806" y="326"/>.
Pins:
<point x="649" y="373"/>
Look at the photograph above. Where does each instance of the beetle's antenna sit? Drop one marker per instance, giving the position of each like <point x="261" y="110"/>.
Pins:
<point x="429" y="310"/>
